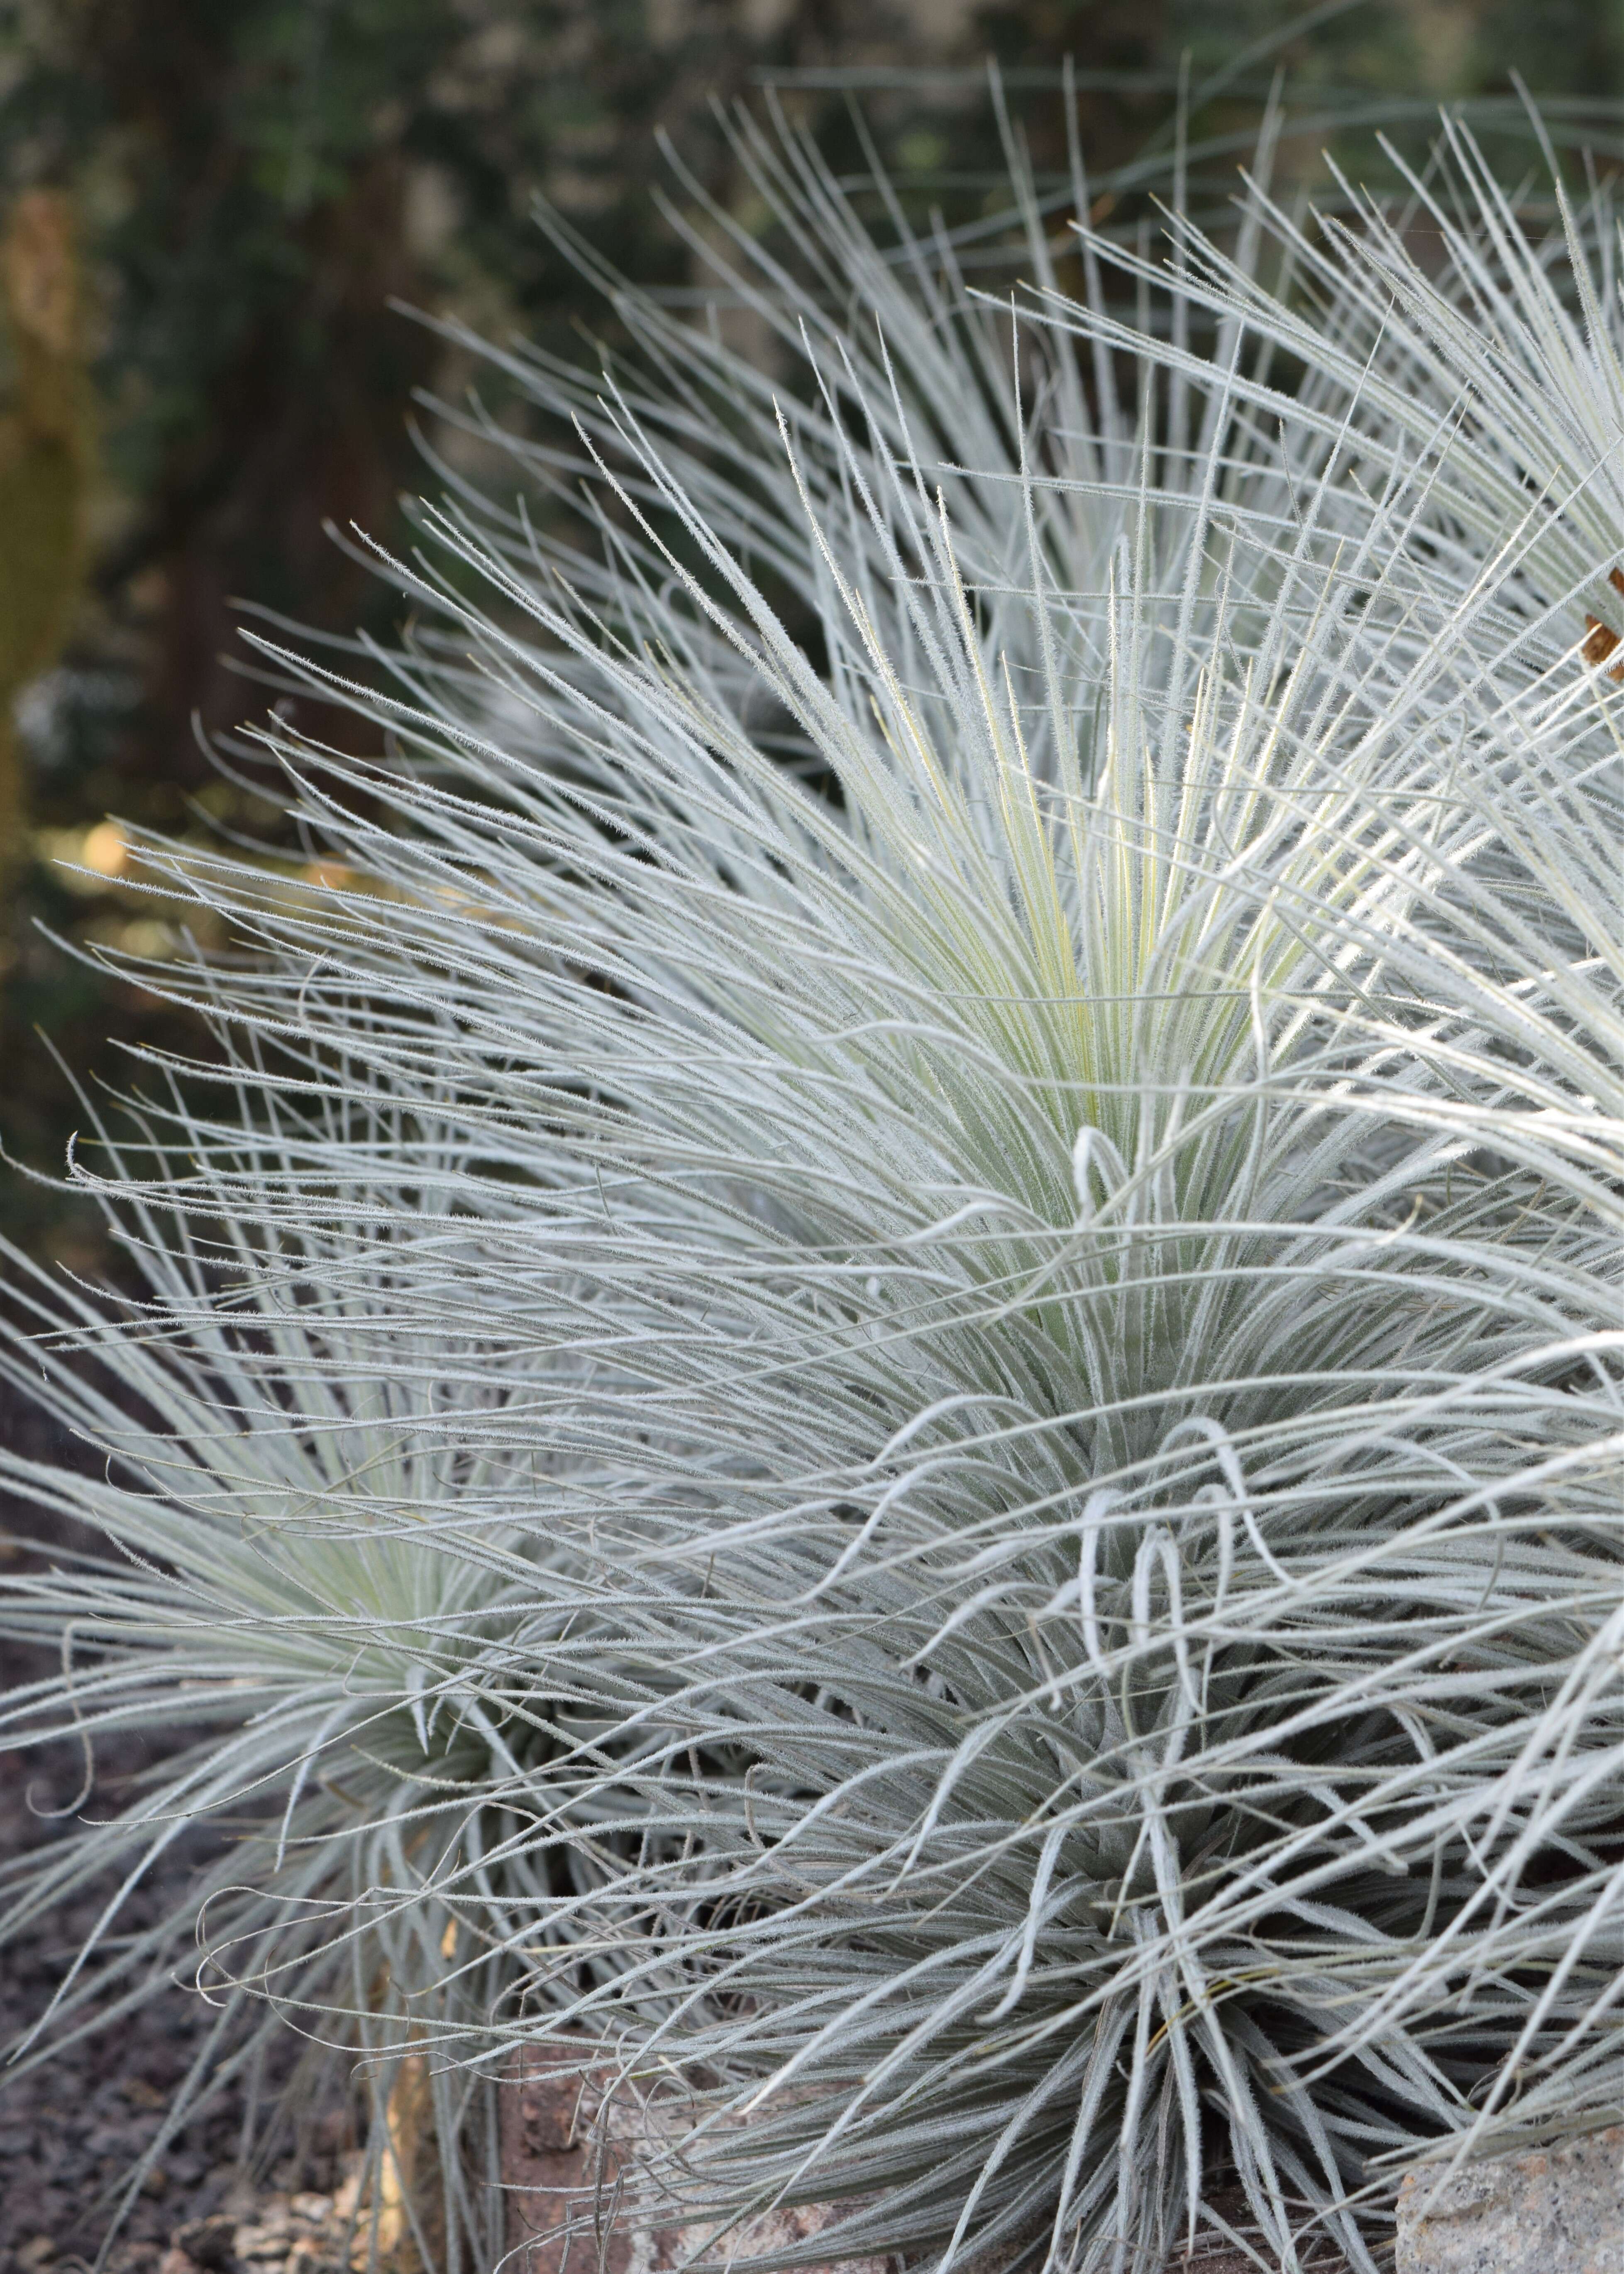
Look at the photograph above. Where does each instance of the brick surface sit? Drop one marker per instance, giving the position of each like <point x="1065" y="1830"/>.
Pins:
<point x="564" y="2159"/>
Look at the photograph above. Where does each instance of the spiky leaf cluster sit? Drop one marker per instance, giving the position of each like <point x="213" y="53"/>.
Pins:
<point x="890" y="1389"/>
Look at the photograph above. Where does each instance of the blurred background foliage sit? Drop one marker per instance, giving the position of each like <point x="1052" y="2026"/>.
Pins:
<point x="207" y="212"/>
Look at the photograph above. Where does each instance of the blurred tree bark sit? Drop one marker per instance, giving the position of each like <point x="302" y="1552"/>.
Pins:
<point x="44" y="447"/>
<point x="271" y="378"/>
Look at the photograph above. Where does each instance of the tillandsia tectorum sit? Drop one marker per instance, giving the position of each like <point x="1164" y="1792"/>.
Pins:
<point x="889" y="1389"/>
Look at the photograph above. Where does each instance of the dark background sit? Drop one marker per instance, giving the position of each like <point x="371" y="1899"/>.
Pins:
<point x="206" y="209"/>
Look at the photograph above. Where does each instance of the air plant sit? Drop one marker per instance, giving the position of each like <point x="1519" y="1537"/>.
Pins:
<point x="889" y="1393"/>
